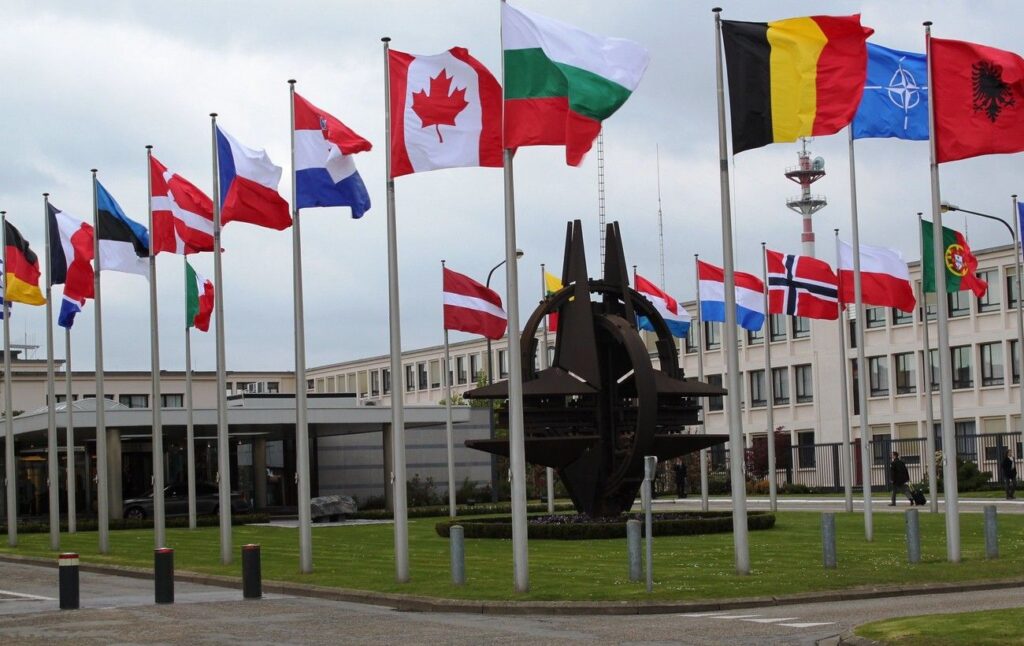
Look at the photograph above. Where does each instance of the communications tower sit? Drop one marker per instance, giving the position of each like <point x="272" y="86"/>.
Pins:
<point x="807" y="172"/>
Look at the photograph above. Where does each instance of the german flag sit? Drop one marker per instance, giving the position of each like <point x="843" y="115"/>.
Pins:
<point x="793" y="78"/>
<point x="21" y="269"/>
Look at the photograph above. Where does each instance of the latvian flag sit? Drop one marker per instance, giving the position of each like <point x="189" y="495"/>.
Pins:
<point x="471" y="307"/>
<point x="182" y="214"/>
<point x="802" y="286"/>
<point x="676" y="317"/>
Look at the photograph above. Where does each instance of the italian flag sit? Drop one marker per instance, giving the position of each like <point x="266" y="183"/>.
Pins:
<point x="198" y="299"/>
<point x="960" y="264"/>
<point x="562" y="82"/>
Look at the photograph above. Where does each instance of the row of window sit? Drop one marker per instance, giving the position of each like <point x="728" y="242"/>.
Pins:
<point x="780" y="327"/>
<point x="802" y="387"/>
<point x="133" y="401"/>
<point x="990" y="358"/>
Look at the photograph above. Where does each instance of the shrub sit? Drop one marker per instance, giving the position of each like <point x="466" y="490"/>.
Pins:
<point x="718" y="483"/>
<point x="968" y="476"/>
<point x="90" y="524"/>
<point x="796" y="488"/>
<point x="480" y="509"/>
<point x="422" y="493"/>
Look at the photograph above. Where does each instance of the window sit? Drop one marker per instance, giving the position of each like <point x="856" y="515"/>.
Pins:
<point x="1011" y="288"/>
<point x="927" y="307"/>
<point x="804" y="383"/>
<point x="1014" y="362"/>
<point x="385" y="377"/>
<point x="421" y="375"/>
<point x="310" y="384"/>
<point x="551" y="355"/>
<point x="906" y="381"/>
<point x="474" y="367"/>
<point x="801" y="327"/>
<point x="990" y="301"/>
<point x="878" y="374"/>
<point x="959" y="303"/>
<point x="757" y="393"/>
<point x="460" y="370"/>
<point x="330" y="384"/>
<point x="875" y="317"/>
<point x="502" y="364"/>
<point x="777" y="327"/>
<point x="435" y="373"/>
<point x="780" y="386"/>
<point x="899" y="317"/>
<point x="992" y="364"/>
<point x="712" y="336"/>
<point x="755" y="336"/>
<point x="410" y="378"/>
<point x="374" y="383"/>
<point x="962" y="366"/>
<point x="881" y="448"/>
<point x="172" y="401"/>
<point x="715" y="403"/>
<point x="690" y="342"/>
<point x="851" y="334"/>
<point x="134" y="401"/>
<point x="933" y="369"/>
<point x="805" y="449"/>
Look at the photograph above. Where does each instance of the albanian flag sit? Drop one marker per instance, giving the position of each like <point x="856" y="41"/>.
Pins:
<point x="960" y="264"/>
<point x="978" y="94"/>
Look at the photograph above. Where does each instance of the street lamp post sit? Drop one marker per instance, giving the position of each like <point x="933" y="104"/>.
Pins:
<point x="490" y="380"/>
<point x="1015" y="237"/>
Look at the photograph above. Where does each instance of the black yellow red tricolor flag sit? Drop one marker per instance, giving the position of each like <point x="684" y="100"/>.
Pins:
<point x="793" y="78"/>
<point x="21" y="275"/>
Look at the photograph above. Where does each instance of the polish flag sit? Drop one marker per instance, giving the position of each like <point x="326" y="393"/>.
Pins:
<point x="884" y="276"/>
<point x="248" y="185"/>
<point x="182" y="214"/>
<point x="471" y="307"/>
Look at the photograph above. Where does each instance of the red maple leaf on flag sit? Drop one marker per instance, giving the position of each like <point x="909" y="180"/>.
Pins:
<point x="439" y="108"/>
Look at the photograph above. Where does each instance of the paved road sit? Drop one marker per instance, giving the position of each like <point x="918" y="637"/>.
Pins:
<point x="120" y="610"/>
<point x="879" y="504"/>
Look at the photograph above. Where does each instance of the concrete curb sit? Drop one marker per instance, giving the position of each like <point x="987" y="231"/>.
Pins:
<point x="415" y="603"/>
<point x="853" y="640"/>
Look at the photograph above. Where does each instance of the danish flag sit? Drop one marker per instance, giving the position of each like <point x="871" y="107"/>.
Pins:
<point x="802" y="286"/>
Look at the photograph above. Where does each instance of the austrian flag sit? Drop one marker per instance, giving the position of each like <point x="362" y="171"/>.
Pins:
<point x="471" y="307"/>
<point x="802" y="286"/>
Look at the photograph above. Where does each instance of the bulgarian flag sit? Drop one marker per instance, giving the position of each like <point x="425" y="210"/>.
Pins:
<point x="562" y="82"/>
<point x="960" y="264"/>
<point x="551" y="285"/>
<point x="198" y="299"/>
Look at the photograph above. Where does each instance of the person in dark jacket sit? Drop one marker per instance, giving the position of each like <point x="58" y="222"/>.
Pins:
<point x="900" y="477"/>
<point x="1009" y="474"/>
<point x="680" y="471"/>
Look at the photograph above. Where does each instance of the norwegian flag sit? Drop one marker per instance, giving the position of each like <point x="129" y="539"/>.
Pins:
<point x="802" y="286"/>
<point x="471" y="307"/>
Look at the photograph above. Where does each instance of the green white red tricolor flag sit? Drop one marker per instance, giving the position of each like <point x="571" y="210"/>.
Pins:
<point x="960" y="264"/>
<point x="198" y="299"/>
<point x="562" y="82"/>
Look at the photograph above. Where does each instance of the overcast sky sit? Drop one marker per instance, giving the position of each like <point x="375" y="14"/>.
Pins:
<point x="90" y="84"/>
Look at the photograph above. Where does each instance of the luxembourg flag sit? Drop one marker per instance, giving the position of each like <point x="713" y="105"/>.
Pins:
<point x="676" y="317"/>
<point x="248" y="185"/>
<point x="749" y="296"/>
<point x="325" y="172"/>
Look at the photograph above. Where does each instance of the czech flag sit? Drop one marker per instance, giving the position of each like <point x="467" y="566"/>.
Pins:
<point x="248" y="185"/>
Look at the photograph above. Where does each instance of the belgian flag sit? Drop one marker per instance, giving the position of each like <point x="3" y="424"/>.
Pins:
<point x="21" y="270"/>
<point x="793" y="78"/>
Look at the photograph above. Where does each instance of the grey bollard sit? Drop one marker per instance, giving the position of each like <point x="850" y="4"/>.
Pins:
<point x="991" y="533"/>
<point x="828" y="539"/>
<point x="252" y="572"/>
<point x="633" y="547"/>
<point x="68" y="580"/>
<point x="456" y="540"/>
<point x="913" y="526"/>
<point x="650" y="467"/>
<point x="163" y="575"/>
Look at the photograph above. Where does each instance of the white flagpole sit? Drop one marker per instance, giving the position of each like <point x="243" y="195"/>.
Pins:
<point x="704" y="502"/>
<point x="844" y="402"/>
<point x="549" y="473"/>
<point x="52" y="468"/>
<point x="301" y="417"/>
<point x="159" y="527"/>
<point x="449" y="440"/>
<point x="862" y="368"/>
<point x="102" y="479"/>
<point x="401" y="513"/>
<point x="949" y="475"/>
<point x="69" y="441"/>
<point x="516" y="429"/>
<point x="737" y="443"/>
<point x="190" y="435"/>
<point x="769" y="383"/>
<point x="223" y="444"/>
<point x="10" y="473"/>
<point x="933" y="485"/>
<point x="1020" y="303"/>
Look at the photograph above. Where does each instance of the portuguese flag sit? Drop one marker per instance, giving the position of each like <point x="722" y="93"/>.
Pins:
<point x="961" y="265"/>
<point x="793" y="78"/>
<point x="562" y="82"/>
<point x="198" y="299"/>
<point x="21" y="269"/>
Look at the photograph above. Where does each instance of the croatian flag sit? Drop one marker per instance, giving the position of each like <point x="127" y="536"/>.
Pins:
<point x="749" y="296"/>
<point x="325" y="172"/>
<point x="676" y="317"/>
<point x="248" y="185"/>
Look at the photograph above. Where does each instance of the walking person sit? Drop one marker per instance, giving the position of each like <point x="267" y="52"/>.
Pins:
<point x="900" y="477"/>
<point x="680" y="471"/>
<point x="1009" y="474"/>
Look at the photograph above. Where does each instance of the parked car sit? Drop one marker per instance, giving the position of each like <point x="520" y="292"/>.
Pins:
<point x="176" y="502"/>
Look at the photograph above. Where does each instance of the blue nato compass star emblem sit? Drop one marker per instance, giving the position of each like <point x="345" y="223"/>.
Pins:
<point x="903" y="90"/>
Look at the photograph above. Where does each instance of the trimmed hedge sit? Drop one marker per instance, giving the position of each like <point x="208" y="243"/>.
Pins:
<point x="90" y="524"/>
<point x="686" y="524"/>
<point x="462" y="510"/>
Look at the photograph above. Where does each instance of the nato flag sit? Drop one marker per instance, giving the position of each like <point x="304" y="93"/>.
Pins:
<point x="895" y="101"/>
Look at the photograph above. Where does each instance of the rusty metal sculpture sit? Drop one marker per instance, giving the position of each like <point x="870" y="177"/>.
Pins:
<point x="602" y="405"/>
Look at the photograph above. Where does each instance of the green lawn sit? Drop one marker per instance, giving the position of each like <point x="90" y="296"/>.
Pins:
<point x="987" y="627"/>
<point x="786" y="559"/>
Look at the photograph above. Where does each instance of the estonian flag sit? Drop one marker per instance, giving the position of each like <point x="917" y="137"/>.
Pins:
<point x="124" y="243"/>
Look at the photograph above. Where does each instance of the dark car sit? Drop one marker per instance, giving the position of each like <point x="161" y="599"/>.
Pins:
<point x="176" y="502"/>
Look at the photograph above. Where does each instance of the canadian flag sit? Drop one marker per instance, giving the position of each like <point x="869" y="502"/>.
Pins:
<point x="471" y="307"/>
<point x="884" y="277"/>
<point x="445" y="112"/>
<point x="182" y="214"/>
